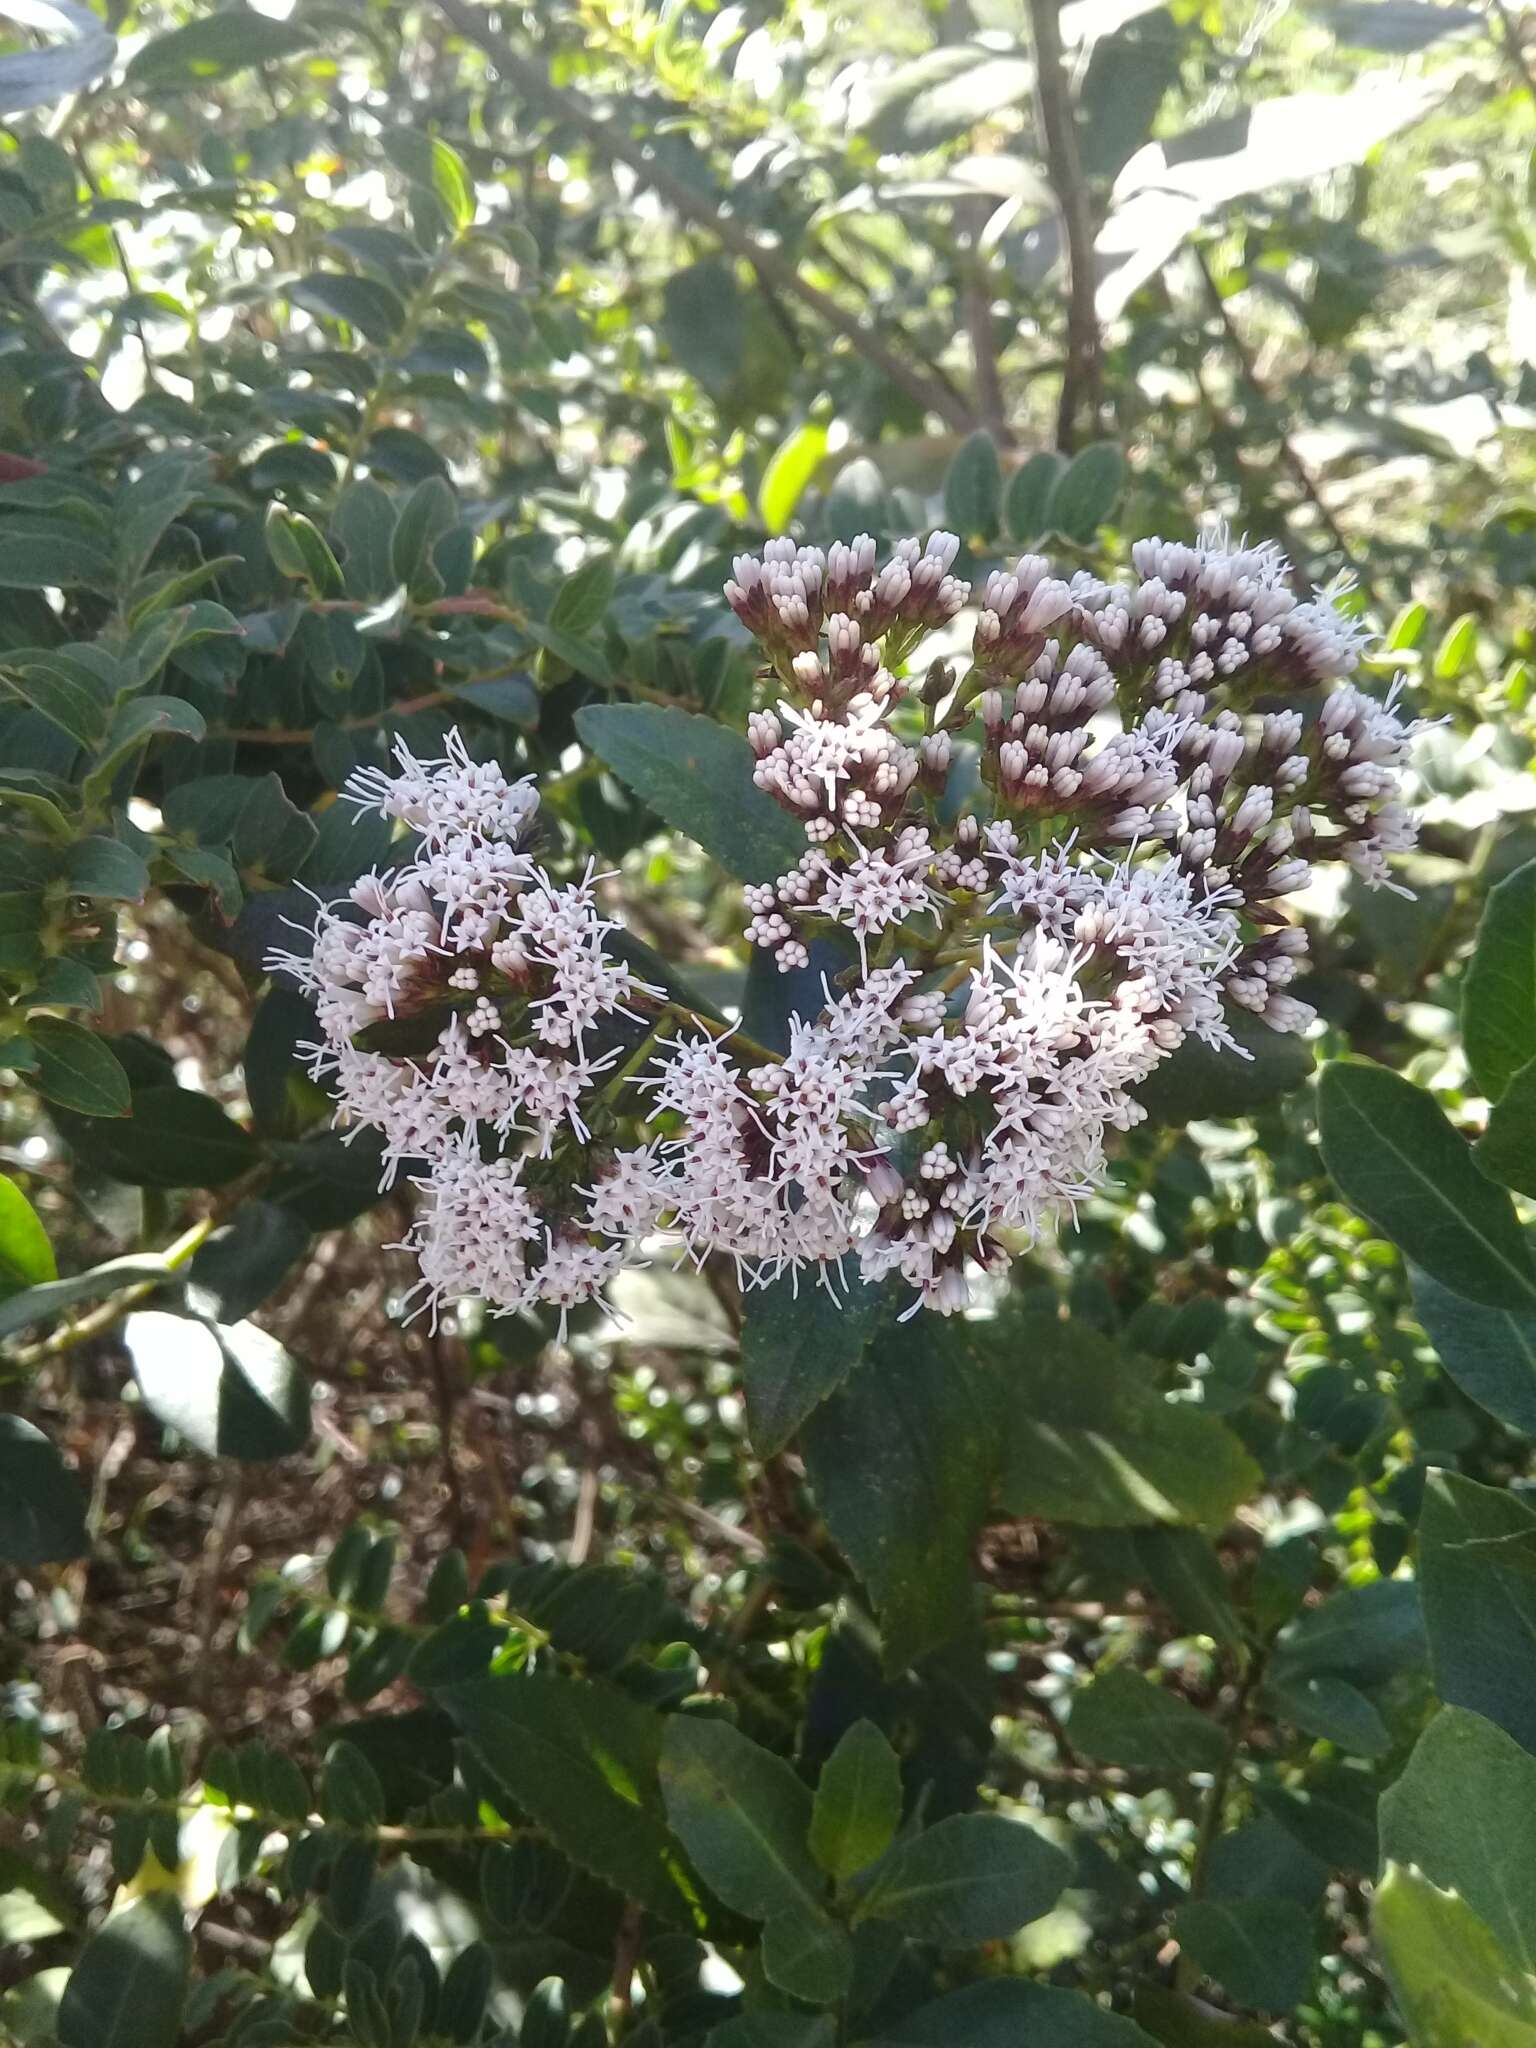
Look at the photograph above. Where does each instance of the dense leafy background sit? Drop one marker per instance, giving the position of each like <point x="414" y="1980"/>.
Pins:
<point x="770" y="1678"/>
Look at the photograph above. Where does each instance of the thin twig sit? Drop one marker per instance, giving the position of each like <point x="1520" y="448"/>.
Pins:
<point x="1081" y="378"/>
<point x="775" y="270"/>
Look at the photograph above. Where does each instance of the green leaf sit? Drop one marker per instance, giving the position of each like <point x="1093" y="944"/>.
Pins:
<point x="1025" y="506"/>
<point x="361" y="302"/>
<point x="350" y="1792"/>
<point x="1489" y="1352"/>
<point x="1477" y="1573"/>
<point x="1010" y="2012"/>
<point x="70" y="689"/>
<point x="231" y="1390"/>
<point x="1196" y="1082"/>
<point x="1182" y="1568"/>
<point x="791" y="467"/>
<point x="26" y="1256"/>
<point x="245" y="1261"/>
<point x="48" y="554"/>
<point x="1089" y="1441"/>
<point x="1368" y="1634"/>
<point x="42" y="1510"/>
<point x="1395" y="1157"/>
<point x="1260" y="1951"/>
<point x="858" y="1802"/>
<point x="1498" y="1003"/>
<point x="582" y="1760"/>
<point x="37" y="1304"/>
<point x="217" y="46"/>
<point x="973" y="488"/>
<point x="1124" y="1718"/>
<point x="1452" y="1983"/>
<point x="1332" y="1813"/>
<point x="808" y="1955"/>
<point x="105" y="867"/>
<point x="133" y="725"/>
<point x="130" y="1983"/>
<point x="704" y="322"/>
<point x="798" y="1345"/>
<point x="1507" y="1149"/>
<point x="1329" y="1707"/>
<point x="178" y="1138"/>
<point x="451" y="183"/>
<point x="583" y="598"/>
<point x="1082" y="498"/>
<point x="900" y="1461"/>
<point x="742" y="1814"/>
<point x="775" y="2030"/>
<point x="299" y="551"/>
<point x="147" y="505"/>
<point x="427" y="514"/>
<point x="697" y="777"/>
<point x="1450" y="1814"/>
<point x="971" y="1878"/>
<point x="77" y="1070"/>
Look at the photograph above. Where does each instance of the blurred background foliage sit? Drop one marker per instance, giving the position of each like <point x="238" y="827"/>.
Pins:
<point x="366" y="369"/>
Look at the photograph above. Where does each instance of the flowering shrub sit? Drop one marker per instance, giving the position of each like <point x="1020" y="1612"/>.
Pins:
<point x="688" y="1358"/>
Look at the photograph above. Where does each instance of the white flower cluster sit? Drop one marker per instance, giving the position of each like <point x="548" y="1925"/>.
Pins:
<point x="461" y="998"/>
<point x="1025" y="959"/>
<point x="1118" y="889"/>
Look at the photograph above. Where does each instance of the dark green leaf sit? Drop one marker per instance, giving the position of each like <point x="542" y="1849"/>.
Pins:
<point x="704" y="322"/>
<point x="973" y="488"/>
<point x="582" y="1760"/>
<point x="218" y="46"/>
<point x="133" y="725"/>
<point x="1123" y="1718"/>
<point x="1010" y="2012"/>
<point x="1325" y="1705"/>
<point x="246" y="1261"/>
<point x="697" y="777"/>
<point x="67" y="686"/>
<point x="972" y="1878"/>
<point x="743" y="1816"/>
<point x="130" y="1983"/>
<point x="807" y="1954"/>
<point x="1332" y="1813"/>
<point x="176" y="1138"/>
<point x="1258" y="1950"/>
<point x="1082" y="497"/>
<point x="1395" y="1157"/>
<point x="1197" y="1082"/>
<point x="798" y="1345"/>
<point x="77" y="1070"/>
<point x="105" y="867"/>
<point x="1498" y="1004"/>
<point x="1507" y="1149"/>
<point x="231" y="1390"/>
<point x="42" y="1510"/>
<point x="900" y="1460"/>
<point x="1477" y="1571"/>
<point x="1090" y="1441"/>
<point x="1025" y="506"/>
<point x="360" y="302"/>
<point x="350" y="1792"/>
<point x="1489" y="1352"/>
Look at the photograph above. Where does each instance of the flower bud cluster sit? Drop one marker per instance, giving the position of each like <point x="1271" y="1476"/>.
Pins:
<point x="465" y="1001"/>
